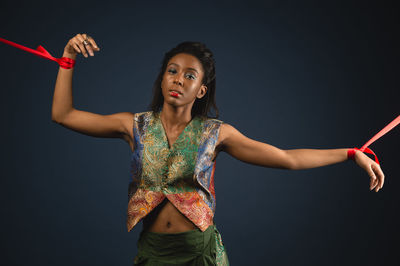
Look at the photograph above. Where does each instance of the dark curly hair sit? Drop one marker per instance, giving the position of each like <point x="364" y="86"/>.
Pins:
<point x="201" y="107"/>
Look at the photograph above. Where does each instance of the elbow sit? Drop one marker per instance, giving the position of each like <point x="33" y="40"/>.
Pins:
<point x="290" y="162"/>
<point x="55" y="119"/>
<point x="59" y="117"/>
<point x="55" y="116"/>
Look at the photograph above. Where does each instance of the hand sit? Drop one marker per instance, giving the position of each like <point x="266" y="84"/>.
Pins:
<point x="373" y="169"/>
<point x="75" y="45"/>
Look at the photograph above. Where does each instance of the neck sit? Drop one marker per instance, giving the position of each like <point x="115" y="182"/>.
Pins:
<point x="173" y="117"/>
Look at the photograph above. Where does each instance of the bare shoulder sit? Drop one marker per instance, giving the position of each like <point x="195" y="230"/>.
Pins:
<point x="226" y="130"/>
<point x="230" y="137"/>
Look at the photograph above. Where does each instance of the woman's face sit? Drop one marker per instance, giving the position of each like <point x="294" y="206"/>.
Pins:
<point x="181" y="83"/>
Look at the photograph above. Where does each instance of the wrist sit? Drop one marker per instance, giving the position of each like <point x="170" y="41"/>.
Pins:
<point x="351" y="153"/>
<point x="69" y="55"/>
<point x="67" y="61"/>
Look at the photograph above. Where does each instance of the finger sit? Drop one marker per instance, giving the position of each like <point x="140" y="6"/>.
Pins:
<point x="375" y="184"/>
<point x="380" y="175"/>
<point x="87" y="46"/>
<point x="76" y="43"/>
<point x="378" y="179"/>
<point x="76" y="47"/>
<point x="373" y="178"/>
<point x="372" y="182"/>
<point x="93" y="43"/>
<point x="79" y="42"/>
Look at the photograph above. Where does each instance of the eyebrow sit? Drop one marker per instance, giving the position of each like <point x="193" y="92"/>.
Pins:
<point x="188" y="67"/>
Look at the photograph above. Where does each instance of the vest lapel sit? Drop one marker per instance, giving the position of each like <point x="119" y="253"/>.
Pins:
<point x="180" y="140"/>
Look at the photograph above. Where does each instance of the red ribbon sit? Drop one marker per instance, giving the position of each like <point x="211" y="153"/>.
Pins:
<point x="64" y="62"/>
<point x="364" y="148"/>
<point x="68" y="63"/>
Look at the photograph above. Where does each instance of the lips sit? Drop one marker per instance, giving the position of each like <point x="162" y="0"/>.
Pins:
<point x="174" y="94"/>
<point x="176" y="91"/>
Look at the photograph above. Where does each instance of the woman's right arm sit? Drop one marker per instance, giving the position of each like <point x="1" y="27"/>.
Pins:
<point x="118" y="125"/>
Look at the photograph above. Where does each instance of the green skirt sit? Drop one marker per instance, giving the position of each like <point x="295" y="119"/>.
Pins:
<point x="192" y="247"/>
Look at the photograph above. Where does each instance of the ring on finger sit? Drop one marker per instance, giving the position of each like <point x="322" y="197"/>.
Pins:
<point x="86" y="41"/>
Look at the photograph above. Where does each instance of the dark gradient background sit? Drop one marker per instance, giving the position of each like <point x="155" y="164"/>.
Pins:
<point x="288" y="75"/>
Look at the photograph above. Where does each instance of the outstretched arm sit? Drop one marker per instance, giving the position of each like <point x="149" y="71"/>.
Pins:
<point x="258" y="153"/>
<point x="117" y="125"/>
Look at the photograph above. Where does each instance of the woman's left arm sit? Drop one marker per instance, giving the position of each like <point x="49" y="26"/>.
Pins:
<point x="258" y="153"/>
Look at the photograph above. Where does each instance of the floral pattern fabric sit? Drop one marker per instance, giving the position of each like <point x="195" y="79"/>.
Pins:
<point x="183" y="173"/>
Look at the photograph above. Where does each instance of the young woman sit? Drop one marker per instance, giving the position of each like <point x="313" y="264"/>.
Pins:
<point x="174" y="147"/>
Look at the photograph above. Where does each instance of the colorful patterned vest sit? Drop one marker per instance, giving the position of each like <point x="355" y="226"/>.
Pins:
<point x="184" y="173"/>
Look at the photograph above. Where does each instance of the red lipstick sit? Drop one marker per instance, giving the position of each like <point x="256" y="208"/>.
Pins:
<point x="174" y="94"/>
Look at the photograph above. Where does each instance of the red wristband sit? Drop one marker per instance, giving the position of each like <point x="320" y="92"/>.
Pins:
<point x="66" y="62"/>
<point x="351" y="153"/>
<point x="386" y="129"/>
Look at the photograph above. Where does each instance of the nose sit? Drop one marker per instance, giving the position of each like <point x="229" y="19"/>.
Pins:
<point x="178" y="79"/>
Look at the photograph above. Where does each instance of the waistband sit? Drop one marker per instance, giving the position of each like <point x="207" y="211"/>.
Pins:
<point x="183" y="246"/>
<point x="179" y="235"/>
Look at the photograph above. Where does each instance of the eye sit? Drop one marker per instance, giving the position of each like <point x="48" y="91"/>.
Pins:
<point x="172" y="70"/>
<point x="191" y="76"/>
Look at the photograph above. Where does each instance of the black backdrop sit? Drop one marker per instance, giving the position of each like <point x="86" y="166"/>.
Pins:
<point x="291" y="76"/>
